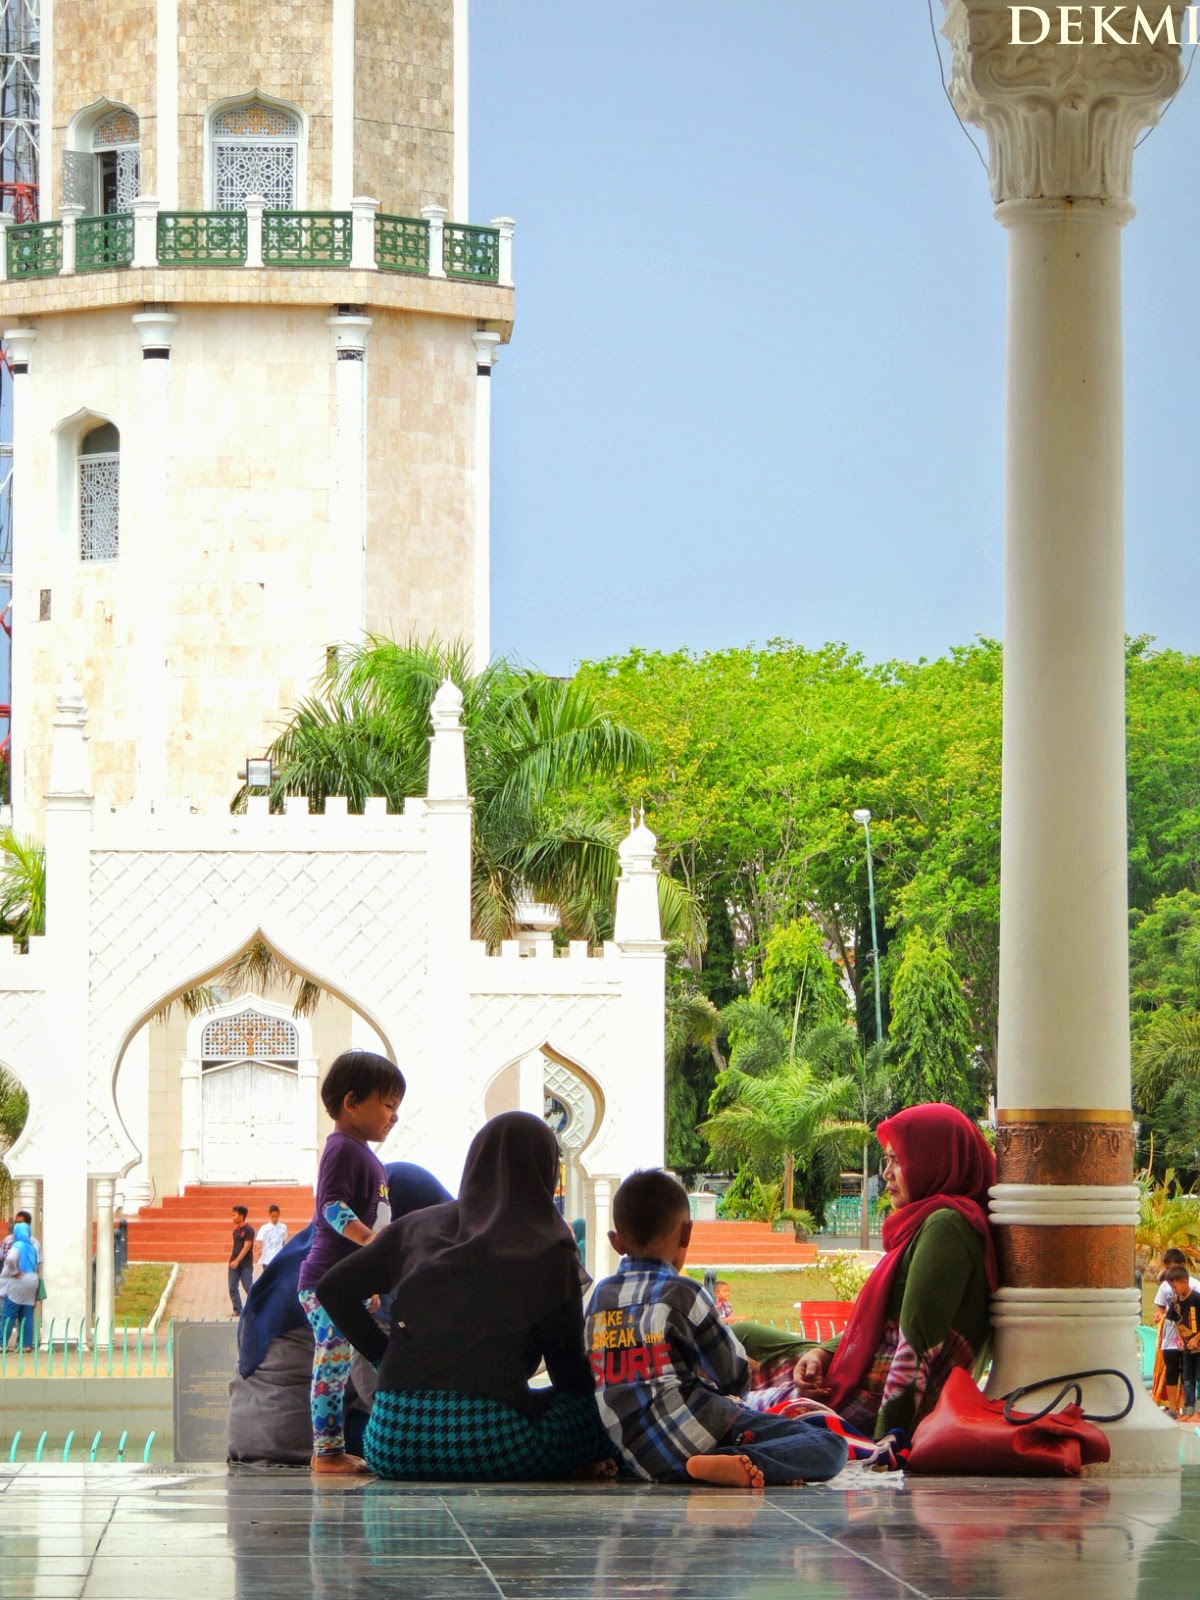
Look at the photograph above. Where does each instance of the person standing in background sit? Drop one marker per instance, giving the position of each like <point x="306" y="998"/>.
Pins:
<point x="272" y="1237"/>
<point x="241" y="1262"/>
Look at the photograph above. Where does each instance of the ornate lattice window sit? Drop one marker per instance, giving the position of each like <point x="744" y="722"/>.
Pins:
<point x="103" y="175"/>
<point x="117" y="150"/>
<point x="249" y="1033"/>
<point x="100" y="494"/>
<point x="255" y="150"/>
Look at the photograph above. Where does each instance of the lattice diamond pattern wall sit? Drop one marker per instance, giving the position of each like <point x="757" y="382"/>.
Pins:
<point x="355" y="910"/>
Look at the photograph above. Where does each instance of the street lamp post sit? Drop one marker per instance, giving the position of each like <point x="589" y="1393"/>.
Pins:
<point x="864" y="1222"/>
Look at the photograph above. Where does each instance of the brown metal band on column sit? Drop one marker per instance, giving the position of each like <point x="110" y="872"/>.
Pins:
<point x="1065" y="1258"/>
<point x="1058" y="1148"/>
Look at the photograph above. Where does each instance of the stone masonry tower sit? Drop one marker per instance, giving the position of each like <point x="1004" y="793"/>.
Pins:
<point x="250" y="337"/>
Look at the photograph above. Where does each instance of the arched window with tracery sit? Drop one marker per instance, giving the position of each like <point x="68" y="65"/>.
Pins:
<point x="250" y="1034"/>
<point x="100" y="493"/>
<point x="103" y="172"/>
<point x="255" y="150"/>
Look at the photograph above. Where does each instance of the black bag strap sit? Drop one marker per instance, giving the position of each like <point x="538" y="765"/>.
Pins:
<point x="1069" y="1381"/>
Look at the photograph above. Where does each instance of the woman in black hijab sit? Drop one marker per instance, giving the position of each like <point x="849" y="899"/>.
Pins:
<point x="484" y="1288"/>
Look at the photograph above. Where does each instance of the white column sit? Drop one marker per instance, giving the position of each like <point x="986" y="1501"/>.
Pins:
<point x="255" y="206"/>
<point x="5" y="225"/>
<point x="70" y="215"/>
<point x="19" y="343"/>
<point x="306" y="1115"/>
<point x="167" y="104"/>
<point x="348" y="505"/>
<point x="485" y="359"/>
<point x="601" y="1252"/>
<point x="48" y="177"/>
<point x="145" y="231"/>
<point x="363" y="210"/>
<point x="189" y="1119"/>
<point x="507" y="227"/>
<point x="27" y="1197"/>
<point x="106" y="1287"/>
<point x="1061" y="123"/>
<point x="448" y="899"/>
<point x="343" y="105"/>
<point x="133" y="1107"/>
<point x="143" y="578"/>
<point x="461" y="199"/>
<point x="64" y="1156"/>
<point x="531" y="1091"/>
<point x="637" y="931"/>
<point x="436" y="218"/>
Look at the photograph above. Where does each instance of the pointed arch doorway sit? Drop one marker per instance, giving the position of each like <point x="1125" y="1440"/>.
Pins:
<point x="251" y="1062"/>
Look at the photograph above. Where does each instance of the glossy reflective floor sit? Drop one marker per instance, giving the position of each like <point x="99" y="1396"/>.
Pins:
<point x="114" y="1533"/>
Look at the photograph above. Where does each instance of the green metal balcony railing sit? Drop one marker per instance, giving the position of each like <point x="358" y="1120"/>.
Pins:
<point x="402" y="244"/>
<point x="103" y="242"/>
<point x="469" y="252"/>
<point x="202" y="239"/>
<point x="34" y="250"/>
<point x="288" y="239"/>
<point x="306" y="238"/>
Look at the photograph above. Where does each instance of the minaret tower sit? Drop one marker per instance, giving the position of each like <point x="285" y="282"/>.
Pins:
<point x="250" y="337"/>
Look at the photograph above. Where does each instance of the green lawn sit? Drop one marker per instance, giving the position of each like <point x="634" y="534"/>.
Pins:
<point x="138" y="1296"/>
<point x="771" y="1296"/>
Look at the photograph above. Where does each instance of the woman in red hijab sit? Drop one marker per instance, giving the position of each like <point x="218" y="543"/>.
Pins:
<point x="926" y="1307"/>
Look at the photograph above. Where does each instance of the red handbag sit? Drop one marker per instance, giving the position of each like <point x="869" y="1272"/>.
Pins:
<point x="973" y="1436"/>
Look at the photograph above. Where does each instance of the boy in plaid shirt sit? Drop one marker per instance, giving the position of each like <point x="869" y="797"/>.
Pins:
<point x="670" y="1374"/>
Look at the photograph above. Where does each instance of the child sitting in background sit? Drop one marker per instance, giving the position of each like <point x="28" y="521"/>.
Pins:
<point x="724" y="1303"/>
<point x="670" y="1374"/>
<point x="362" y="1094"/>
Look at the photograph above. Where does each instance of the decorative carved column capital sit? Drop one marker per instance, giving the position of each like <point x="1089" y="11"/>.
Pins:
<point x="1061" y="120"/>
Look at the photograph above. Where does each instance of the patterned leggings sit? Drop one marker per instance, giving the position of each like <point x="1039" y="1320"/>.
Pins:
<point x="331" y="1370"/>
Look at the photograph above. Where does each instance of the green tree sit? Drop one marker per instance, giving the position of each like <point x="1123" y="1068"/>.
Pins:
<point x="14" y="1109"/>
<point x="798" y="978"/>
<point x="693" y="1060"/>
<point x="930" y="1039"/>
<point x="529" y="739"/>
<point x="22" y="887"/>
<point x="788" y="1117"/>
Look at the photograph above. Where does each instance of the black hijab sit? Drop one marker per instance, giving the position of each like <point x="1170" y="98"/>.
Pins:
<point x="495" y="1261"/>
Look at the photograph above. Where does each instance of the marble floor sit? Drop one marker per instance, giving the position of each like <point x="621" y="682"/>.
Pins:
<point x="119" y="1532"/>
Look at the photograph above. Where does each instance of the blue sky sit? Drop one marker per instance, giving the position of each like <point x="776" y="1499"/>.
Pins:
<point x="756" y="384"/>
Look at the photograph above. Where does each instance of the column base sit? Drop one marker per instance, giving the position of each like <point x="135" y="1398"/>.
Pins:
<point x="1042" y="1333"/>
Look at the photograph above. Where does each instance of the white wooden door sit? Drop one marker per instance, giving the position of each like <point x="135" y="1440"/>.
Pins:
<point x="249" y="1123"/>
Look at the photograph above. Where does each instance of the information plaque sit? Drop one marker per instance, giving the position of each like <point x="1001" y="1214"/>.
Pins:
<point x="205" y="1359"/>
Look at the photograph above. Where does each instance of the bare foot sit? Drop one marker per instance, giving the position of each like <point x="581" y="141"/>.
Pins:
<point x="339" y="1462"/>
<point x="732" y="1472"/>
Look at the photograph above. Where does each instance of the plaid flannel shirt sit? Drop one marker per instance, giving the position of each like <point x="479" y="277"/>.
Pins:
<point x="668" y="1371"/>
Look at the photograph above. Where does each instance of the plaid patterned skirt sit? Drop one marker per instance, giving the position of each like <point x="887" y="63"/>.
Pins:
<point x="442" y="1433"/>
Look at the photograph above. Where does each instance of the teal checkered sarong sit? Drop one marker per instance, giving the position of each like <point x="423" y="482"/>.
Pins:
<point x="441" y="1433"/>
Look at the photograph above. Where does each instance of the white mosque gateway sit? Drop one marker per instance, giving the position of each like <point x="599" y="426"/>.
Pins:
<point x="251" y="336"/>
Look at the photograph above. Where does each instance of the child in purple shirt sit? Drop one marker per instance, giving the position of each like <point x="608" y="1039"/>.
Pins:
<point x="362" y="1094"/>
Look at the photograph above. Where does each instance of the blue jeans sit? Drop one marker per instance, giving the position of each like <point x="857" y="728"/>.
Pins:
<point x="240" y="1278"/>
<point x="22" y="1316"/>
<point x="785" y="1449"/>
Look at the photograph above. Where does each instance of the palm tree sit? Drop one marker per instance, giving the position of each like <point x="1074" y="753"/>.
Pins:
<point x="789" y="1115"/>
<point x="14" y="1108"/>
<point x="1169" y="1218"/>
<point x="530" y="741"/>
<point x="1167" y="1050"/>
<point x="22" y="887"/>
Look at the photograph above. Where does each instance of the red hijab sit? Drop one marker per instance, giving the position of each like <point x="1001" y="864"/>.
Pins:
<point x="946" y="1163"/>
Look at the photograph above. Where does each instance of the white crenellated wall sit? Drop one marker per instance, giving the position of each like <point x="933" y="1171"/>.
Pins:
<point x="376" y="909"/>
